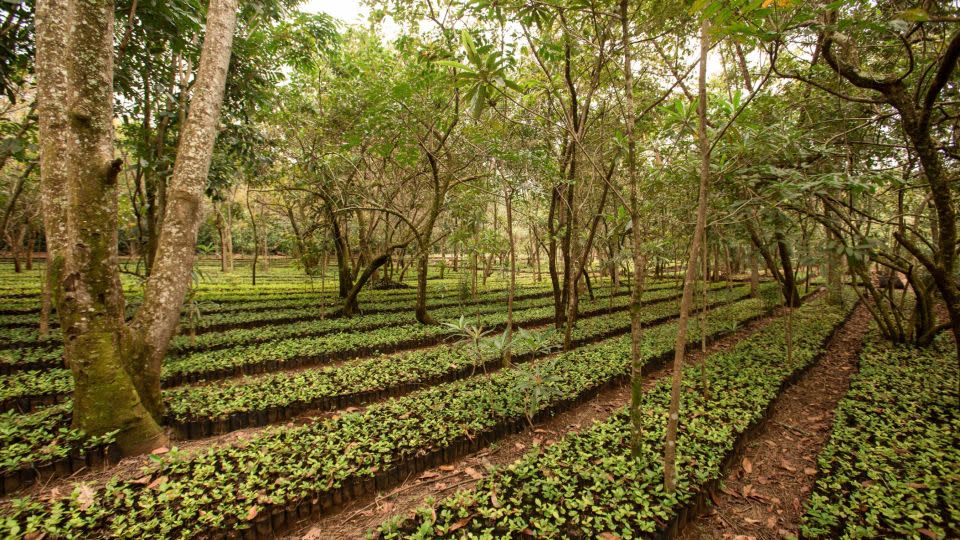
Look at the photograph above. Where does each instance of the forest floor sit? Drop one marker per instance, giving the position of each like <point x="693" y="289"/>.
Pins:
<point x="363" y="515"/>
<point x="763" y="496"/>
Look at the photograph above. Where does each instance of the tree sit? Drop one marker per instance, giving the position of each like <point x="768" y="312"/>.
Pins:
<point x="699" y="234"/>
<point x="116" y="365"/>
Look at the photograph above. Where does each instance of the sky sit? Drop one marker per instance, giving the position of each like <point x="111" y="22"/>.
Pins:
<point x="353" y="12"/>
<point x="349" y="11"/>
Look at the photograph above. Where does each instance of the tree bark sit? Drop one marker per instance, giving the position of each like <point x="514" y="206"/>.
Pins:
<point x="256" y="242"/>
<point x="116" y="366"/>
<point x="679" y="349"/>
<point x="167" y="286"/>
<point x="639" y="262"/>
<point x="508" y="196"/>
<point x="350" y="304"/>
<point x="75" y="75"/>
<point x="790" y="293"/>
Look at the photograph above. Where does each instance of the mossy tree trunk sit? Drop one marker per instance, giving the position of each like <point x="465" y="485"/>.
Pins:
<point x="116" y="366"/>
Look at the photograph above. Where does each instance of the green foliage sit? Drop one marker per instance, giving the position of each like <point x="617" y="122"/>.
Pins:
<point x="218" y="487"/>
<point x="589" y="484"/>
<point x="892" y="466"/>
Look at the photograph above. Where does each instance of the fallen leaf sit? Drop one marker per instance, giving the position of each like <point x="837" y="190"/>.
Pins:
<point x="447" y="468"/>
<point x="771" y="522"/>
<point x="252" y="513"/>
<point x="518" y="446"/>
<point x="158" y="482"/>
<point x="142" y="481"/>
<point x="472" y="473"/>
<point x="429" y="474"/>
<point x="787" y="465"/>
<point x="747" y="465"/>
<point x="387" y="506"/>
<point x="459" y="524"/>
<point x="493" y="499"/>
<point x="916" y="485"/>
<point x="928" y="533"/>
<point x="608" y="536"/>
<point x="85" y="496"/>
<point x="746" y="490"/>
<point x="809" y="471"/>
<point x="161" y="450"/>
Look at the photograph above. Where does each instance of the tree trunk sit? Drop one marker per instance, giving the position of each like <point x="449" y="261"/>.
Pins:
<point x="790" y="293"/>
<point x="673" y="418"/>
<point x="29" y="250"/>
<point x="639" y="262"/>
<point x="423" y="265"/>
<point x="350" y="304"/>
<point x="256" y="242"/>
<point x="225" y="229"/>
<point x="508" y="195"/>
<point x="342" y="251"/>
<point x="834" y="274"/>
<point x="157" y="320"/>
<point x="552" y="260"/>
<point x="75" y="79"/>
<point x="45" y="300"/>
<point x="754" y="274"/>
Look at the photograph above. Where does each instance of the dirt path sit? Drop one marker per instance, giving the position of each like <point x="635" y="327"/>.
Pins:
<point x="362" y="515"/>
<point x="763" y="496"/>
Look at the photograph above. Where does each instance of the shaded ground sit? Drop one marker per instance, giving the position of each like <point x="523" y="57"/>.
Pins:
<point x="764" y="495"/>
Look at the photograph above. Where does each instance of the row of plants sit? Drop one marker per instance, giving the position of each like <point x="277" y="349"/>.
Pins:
<point x="29" y="390"/>
<point x="892" y="466"/>
<point x="205" y="317"/>
<point x="12" y="360"/>
<point x="297" y="352"/>
<point x="590" y="485"/>
<point x="383" y="302"/>
<point x="40" y="445"/>
<point x="19" y="305"/>
<point x="52" y="385"/>
<point x="204" y="410"/>
<point x="22" y="358"/>
<point x="15" y="338"/>
<point x="312" y="327"/>
<point x="229" y="295"/>
<point x="264" y="483"/>
<point x="23" y="348"/>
